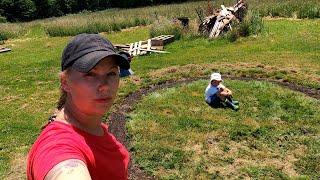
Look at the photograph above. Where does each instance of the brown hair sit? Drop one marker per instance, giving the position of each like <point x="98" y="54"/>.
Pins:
<point x="62" y="99"/>
<point x="63" y="94"/>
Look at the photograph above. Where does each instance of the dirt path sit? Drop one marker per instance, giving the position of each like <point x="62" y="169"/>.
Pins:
<point x="117" y="119"/>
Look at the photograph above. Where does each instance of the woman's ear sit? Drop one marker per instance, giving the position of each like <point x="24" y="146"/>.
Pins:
<point x="64" y="81"/>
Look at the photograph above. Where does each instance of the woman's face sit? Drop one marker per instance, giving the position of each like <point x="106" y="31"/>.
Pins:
<point x="93" y="93"/>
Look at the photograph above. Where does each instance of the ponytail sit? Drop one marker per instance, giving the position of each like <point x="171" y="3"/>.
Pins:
<point x="62" y="99"/>
<point x="63" y="94"/>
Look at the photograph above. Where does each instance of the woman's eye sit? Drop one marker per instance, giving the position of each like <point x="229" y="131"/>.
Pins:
<point x="112" y="74"/>
<point x="89" y="74"/>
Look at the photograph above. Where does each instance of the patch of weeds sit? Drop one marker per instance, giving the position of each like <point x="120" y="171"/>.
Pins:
<point x="309" y="165"/>
<point x="224" y="148"/>
<point x="3" y="19"/>
<point x="4" y="164"/>
<point x="9" y="31"/>
<point x="231" y="36"/>
<point x="252" y="25"/>
<point x="243" y="132"/>
<point x="240" y="133"/>
<point x="261" y="132"/>
<point x="167" y="157"/>
<point x="163" y="26"/>
<point x="200" y="167"/>
<point x="228" y="160"/>
<point x="244" y="29"/>
<point x="140" y="21"/>
<point x="187" y="123"/>
<point x="217" y="175"/>
<point x="309" y="11"/>
<point x="254" y="71"/>
<point x="264" y="172"/>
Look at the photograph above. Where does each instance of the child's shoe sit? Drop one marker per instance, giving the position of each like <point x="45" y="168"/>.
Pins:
<point x="235" y="107"/>
<point x="231" y="105"/>
<point x="235" y="102"/>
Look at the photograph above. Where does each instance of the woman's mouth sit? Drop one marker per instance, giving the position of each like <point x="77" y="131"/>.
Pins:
<point x="102" y="100"/>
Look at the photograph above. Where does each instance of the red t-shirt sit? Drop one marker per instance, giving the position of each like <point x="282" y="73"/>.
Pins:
<point x="104" y="156"/>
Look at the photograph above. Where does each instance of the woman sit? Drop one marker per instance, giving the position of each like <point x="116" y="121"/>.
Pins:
<point x="76" y="144"/>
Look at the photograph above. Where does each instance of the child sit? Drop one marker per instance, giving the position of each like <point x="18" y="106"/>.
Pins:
<point x="217" y="95"/>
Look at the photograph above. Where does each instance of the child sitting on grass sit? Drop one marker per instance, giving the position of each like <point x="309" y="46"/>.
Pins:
<point x="217" y="95"/>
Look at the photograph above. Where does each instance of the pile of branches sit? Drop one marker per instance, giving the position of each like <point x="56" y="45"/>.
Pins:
<point x="221" y="20"/>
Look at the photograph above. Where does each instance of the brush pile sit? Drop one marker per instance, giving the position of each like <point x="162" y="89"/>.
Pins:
<point x="221" y="20"/>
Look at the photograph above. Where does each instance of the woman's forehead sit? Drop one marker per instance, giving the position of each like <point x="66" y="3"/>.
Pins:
<point x="109" y="62"/>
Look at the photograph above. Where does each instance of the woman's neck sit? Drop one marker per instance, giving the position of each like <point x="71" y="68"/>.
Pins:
<point x="83" y="121"/>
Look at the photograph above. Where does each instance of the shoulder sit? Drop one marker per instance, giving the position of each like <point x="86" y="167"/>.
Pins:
<point x="56" y="143"/>
<point x="57" y="133"/>
<point x="69" y="169"/>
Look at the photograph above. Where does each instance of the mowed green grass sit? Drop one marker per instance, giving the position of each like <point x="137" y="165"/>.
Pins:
<point x="275" y="134"/>
<point x="29" y="74"/>
<point x="285" y="45"/>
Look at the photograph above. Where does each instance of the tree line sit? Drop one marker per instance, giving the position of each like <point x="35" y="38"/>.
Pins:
<point x="26" y="10"/>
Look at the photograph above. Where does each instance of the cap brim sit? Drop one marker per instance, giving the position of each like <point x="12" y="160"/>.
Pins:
<point x="87" y="62"/>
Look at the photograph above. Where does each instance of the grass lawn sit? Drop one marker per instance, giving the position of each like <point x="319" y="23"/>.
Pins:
<point x="275" y="134"/>
<point x="289" y="51"/>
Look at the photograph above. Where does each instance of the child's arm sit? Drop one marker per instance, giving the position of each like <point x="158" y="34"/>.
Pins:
<point x="224" y="90"/>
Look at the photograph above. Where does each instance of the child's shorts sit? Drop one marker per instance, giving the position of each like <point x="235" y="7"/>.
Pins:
<point x="215" y="101"/>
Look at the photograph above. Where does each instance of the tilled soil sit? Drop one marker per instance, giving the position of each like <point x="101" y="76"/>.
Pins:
<point x="117" y="119"/>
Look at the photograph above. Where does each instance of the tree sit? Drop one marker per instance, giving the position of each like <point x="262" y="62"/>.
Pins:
<point x="18" y="10"/>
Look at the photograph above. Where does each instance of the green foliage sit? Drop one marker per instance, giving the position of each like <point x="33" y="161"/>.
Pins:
<point x="2" y="19"/>
<point x="163" y="26"/>
<point x="256" y="25"/>
<point x="309" y="11"/>
<point x="18" y="10"/>
<point x="231" y="36"/>
<point x="252" y="25"/>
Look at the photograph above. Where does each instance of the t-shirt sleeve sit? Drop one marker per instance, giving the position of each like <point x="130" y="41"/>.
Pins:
<point x="51" y="152"/>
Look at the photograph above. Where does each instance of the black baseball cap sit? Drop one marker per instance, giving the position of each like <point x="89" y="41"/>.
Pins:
<point x="85" y="51"/>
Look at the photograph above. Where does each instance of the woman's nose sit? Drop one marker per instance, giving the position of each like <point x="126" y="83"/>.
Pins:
<point x="103" y="84"/>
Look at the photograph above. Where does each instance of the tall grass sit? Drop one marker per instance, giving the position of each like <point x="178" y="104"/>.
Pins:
<point x="9" y="30"/>
<point x="3" y="19"/>
<point x="165" y="26"/>
<point x="70" y="27"/>
<point x="252" y="25"/>
<point x="116" y="19"/>
<point x="299" y="9"/>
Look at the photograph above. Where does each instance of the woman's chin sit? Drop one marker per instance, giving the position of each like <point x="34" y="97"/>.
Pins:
<point x="102" y="109"/>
